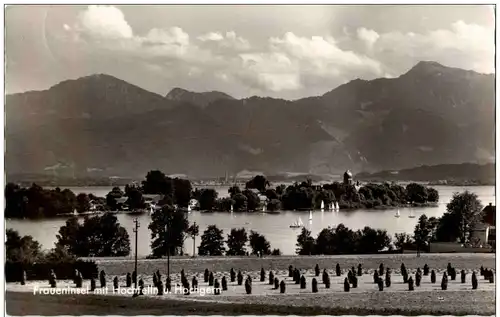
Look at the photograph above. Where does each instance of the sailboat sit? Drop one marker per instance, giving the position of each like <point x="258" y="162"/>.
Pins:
<point x="310" y="215"/>
<point x="337" y="206"/>
<point x="231" y="208"/>
<point x="331" y="207"/>
<point x="411" y="214"/>
<point x="264" y="207"/>
<point x="189" y="208"/>
<point x="397" y="214"/>
<point x="297" y="224"/>
<point x="322" y="205"/>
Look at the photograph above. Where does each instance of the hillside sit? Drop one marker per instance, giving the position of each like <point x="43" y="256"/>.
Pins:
<point x="201" y="99"/>
<point x="446" y="173"/>
<point x="102" y="125"/>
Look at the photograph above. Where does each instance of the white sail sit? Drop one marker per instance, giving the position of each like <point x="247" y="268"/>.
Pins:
<point x="398" y="214"/>
<point x="310" y="215"/>
<point x="411" y="214"/>
<point x="331" y="206"/>
<point x="297" y="224"/>
<point x="322" y="205"/>
<point x="264" y="207"/>
<point x="337" y="206"/>
<point x="231" y="208"/>
<point x="189" y="208"/>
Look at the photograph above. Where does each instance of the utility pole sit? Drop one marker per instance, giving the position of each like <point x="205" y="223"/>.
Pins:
<point x="167" y="237"/>
<point x="136" y="230"/>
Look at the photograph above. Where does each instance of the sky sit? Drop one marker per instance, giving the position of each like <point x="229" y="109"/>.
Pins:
<point x="281" y="51"/>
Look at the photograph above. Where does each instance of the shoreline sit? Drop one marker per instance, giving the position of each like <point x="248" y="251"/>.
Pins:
<point x="271" y="213"/>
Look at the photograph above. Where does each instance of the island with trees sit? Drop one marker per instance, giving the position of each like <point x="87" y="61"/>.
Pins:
<point x="38" y="202"/>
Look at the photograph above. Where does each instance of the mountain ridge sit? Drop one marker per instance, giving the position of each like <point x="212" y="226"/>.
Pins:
<point x="102" y="122"/>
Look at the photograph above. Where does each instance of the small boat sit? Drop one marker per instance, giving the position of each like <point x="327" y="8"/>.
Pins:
<point x="297" y="224"/>
<point x="231" y="208"/>
<point x="322" y="205"/>
<point x="331" y="207"/>
<point x="337" y="206"/>
<point x="397" y="214"/>
<point x="189" y="208"/>
<point x="264" y="207"/>
<point x="411" y="214"/>
<point x="310" y="215"/>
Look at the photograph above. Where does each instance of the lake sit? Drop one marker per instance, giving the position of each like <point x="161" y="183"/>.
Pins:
<point x="276" y="228"/>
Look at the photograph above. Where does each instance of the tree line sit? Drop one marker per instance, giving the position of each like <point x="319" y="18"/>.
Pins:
<point x="457" y="224"/>
<point x="37" y="202"/>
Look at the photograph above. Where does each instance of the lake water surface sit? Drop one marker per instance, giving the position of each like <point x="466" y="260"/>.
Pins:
<point x="276" y="228"/>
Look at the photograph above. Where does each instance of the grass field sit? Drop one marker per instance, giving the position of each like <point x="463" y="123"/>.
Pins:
<point x="427" y="299"/>
<point x="20" y="304"/>
<point x="199" y="264"/>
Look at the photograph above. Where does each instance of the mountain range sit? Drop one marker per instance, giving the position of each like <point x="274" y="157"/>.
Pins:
<point x="101" y="125"/>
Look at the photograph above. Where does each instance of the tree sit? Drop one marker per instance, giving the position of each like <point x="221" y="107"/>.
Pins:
<point x="463" y="213"/>
<point x="259" y="244"/>
<point x="212" y="241"/>
<point x="305" y="243"/>
<point x="157" y="183"/>
<point x="253" y="200"/>
<point x="15" y="203"/>
<point x="259" y="182"/>
<point x="234" y="190"/>
<point x="182" y="192"/>
<point x="433" y="195"/>
<point x="97" y="236"/>
<point x="271" y="194"/>
<point x="193" y="231"/>
<point x="208" y="198"/>
<point x="21" y="249"/>
<point x="425" y="231"/>
<point x="224" y="204"/>
<point x="168" y="228"/>
<point x="134" y="197"/>
<point x="402" y="240"/>
<point x="82" y="203"/>
<point x="111" y="197"/>
<point x="69" y="237"/>
<point x="114" y="238"/>
<point x="344" y="240"/>
<point x="372" y="241"/>
<point x="274" y="204"/>
<point x="416" y="193"/>
<point x="324" y="242"/>
<point x="240" y="202"/>
<point x="236" y="241"/>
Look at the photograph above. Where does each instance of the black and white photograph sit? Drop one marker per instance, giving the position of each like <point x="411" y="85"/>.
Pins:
<point x="249" y="159"/>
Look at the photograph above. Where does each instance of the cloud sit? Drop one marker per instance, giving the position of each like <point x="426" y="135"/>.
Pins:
<point x="269" y="72"/>
<point x="228" y="41"/>
<point x="463" y="45"/>
<point x="212" y="36"/>
<point x="104" y="22"/>
<point x="174" y="35"/>
<point x="286" y="65"/>
<point x="369" y="37"/>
